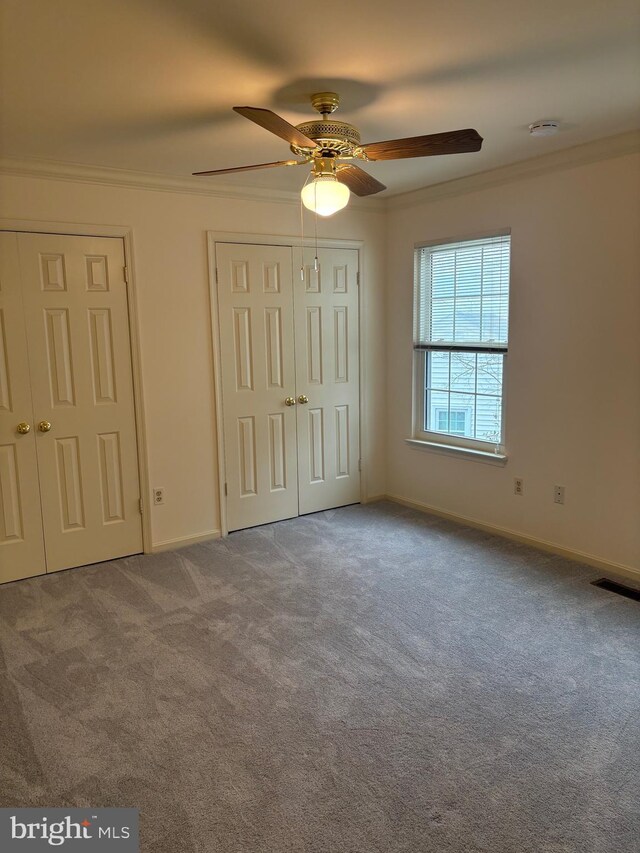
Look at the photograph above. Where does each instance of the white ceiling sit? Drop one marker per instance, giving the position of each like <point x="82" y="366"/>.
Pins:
<point x="148" y="85"/>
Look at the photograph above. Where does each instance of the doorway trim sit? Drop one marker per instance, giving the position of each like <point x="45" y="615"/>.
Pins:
<point x="125" y="233"/>
<point x="295" y="243"/>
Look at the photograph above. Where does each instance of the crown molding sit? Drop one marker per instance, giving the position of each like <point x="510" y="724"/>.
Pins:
<point x="155" y="181"/>
<point x="588" y="152"/>
<point x="578" y="155"/>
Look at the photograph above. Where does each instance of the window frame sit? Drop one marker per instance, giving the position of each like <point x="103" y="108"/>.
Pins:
<point x="444" y="440"/>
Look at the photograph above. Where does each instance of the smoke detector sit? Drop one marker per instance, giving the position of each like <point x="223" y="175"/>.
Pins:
<point x="544" y="128"/>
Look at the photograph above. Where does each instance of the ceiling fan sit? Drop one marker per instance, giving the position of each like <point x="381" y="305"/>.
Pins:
<point x="326" y="142"/>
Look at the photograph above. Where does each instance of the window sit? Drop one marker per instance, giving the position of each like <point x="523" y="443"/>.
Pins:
<point x="460" y="342"/>
<point x="452" y="421"/>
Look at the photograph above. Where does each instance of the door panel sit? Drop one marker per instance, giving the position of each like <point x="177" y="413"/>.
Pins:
<point x="75" y="305"/>
<point x="327" y="372"/>
<point x="21" y="543"/>
<point x="255" y="305"/>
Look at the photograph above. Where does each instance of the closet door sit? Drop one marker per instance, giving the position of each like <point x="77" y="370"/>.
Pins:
<point x="75" y="305"/>
<point x="327" y="381"/>
<point x="21" y="543"/>
<point x="255" y="308"/>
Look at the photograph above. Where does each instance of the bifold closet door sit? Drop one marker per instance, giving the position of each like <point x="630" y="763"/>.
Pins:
<point x="75" y="308"/>
<point x="255" y="306"/>
<point x="21" y="542"/>
<point x="327" y="381"/>
<point x="290" y="381"/>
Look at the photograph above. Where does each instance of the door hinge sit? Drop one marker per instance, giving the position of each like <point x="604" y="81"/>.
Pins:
<point x="358" y="278"/>
<point x="225" y="490"/>
<point x="126" y="274"/>
<point x="140" y="506"/>
<point x="359" y="464"/>
<point x="217" y="281"/>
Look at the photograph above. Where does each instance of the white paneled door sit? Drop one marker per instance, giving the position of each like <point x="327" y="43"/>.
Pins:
<point x="290" y="381"/>
<point x="21" y="542"/>
<point x="327" y="376"/>
<point x="81" y="410"/>
<point x="255" y="299"/>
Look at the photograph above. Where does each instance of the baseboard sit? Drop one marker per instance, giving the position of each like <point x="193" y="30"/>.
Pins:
<point x="372" y="499"/>
<point x="551" y="547"/>
<point x="183" y="541"/>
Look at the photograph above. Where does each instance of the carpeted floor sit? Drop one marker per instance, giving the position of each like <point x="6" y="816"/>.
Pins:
<point x="364" y="680"/>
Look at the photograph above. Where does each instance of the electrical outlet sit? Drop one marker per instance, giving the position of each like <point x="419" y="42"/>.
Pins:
<point x="558" y="494"/>
<point x="158" y="496"/>
<point x="518" y="486"/>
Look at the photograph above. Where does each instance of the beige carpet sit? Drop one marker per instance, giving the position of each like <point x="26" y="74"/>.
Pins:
<point x="365" y="680"/>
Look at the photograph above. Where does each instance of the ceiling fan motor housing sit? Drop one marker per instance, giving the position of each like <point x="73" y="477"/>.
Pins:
<point x="338" y="137"/>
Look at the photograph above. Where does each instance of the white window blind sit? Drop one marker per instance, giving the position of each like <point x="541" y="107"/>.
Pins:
<point x="462" y="295"/>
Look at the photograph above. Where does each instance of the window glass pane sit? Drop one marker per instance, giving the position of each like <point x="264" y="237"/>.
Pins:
<point x="453" y="422"/>
<point x="490" y="373"/>
<point x="464" y="395"/>
<point x="457" y="422"/>
<point x="438" y="370"/>
<point x="443" y="420"/>
<point x="437" y="403"/>
<point x="463" y="371"/>
<point x="465" y="403"/>
<point x="489" y="419"/>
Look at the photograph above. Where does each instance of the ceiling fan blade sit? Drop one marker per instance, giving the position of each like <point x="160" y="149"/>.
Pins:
<point x="258" y="166"/>
<point x="452" y="142"/>
<point x="358" y="181"/>
<point x="275" y="124"/>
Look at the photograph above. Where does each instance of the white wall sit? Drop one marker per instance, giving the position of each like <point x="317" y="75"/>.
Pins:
<point x="573" y="403"/>
<point x="573" y="370"/>
<point x="169" y="236"/>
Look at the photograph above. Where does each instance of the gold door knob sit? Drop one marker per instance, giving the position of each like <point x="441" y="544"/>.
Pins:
<point x="303" y="398"/>
<point x="23" y="428"/>
<point x="44" y="426"/>
<point x="290" y="401"/>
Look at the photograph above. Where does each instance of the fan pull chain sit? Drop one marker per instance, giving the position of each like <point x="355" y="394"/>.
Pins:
<point x="316" y="263"/>
<point x="302" y="231"/>
<point x="301" y="241"/>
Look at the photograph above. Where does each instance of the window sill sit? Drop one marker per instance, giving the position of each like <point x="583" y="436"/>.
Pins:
<point x="460" y="452"/>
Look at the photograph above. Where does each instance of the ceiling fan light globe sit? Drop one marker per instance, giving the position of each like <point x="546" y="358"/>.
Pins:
<point x="325" y="195"/>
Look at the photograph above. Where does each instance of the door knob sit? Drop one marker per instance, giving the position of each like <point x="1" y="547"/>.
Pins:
<point x="23" y="428"/>
<point x="303" y="398"/>
<point x="290" y="401"/>
<point x="44" y="426"/>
